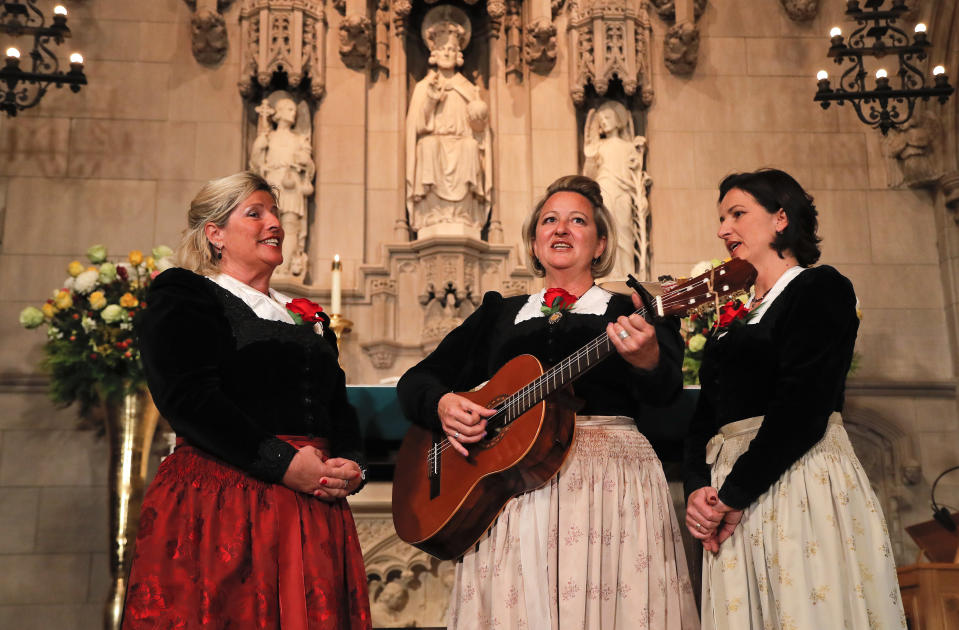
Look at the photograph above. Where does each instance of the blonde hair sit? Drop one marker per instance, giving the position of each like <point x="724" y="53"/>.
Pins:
<point x="605" y="226"/>
<point x="213" y="204"/>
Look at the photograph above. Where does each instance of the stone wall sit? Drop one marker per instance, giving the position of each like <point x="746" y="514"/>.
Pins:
<point x="118" y="162"/>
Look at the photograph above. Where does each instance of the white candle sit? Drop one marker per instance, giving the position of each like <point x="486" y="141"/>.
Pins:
<point x="337" y="286"/>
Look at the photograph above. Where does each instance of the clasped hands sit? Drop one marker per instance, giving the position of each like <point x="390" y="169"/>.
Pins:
<point x="709" y="519"/>
<point x="326" y="479"/>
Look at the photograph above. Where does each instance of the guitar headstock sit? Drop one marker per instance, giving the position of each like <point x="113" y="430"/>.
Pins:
<point x="731" y="277"/>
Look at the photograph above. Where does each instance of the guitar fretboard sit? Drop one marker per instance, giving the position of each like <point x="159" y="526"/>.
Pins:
<point x="554" y="379"/>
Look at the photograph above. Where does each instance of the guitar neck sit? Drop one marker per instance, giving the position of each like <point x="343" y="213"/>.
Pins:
<point x="560" y="375"/>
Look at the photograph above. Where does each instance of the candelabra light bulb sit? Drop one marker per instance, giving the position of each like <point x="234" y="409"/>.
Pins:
<point x="938" y="70"/>
<point x="881" y="73"/>
<point x="920" y="28"/>
<point x="59" y="10"/>
<point x="336" y="258"/>
<point x="822" y="74"/>
<point x="835" y="31"/>
<point x="13" y="52"/>
<point x="76" y="58"/>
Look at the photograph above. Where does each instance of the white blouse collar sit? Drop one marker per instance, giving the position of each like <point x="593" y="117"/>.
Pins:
<point x="593" y="302"/>
<point x="272" y="306"/>
<point x="788" y="276"/>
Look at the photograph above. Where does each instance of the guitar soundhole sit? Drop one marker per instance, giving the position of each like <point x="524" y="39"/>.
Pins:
<point x="494" y="431"/>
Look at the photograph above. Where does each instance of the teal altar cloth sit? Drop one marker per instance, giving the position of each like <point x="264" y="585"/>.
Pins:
<point x="384" y="425"/>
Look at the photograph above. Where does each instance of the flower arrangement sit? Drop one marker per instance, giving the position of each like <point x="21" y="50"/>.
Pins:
<point x="91" y="351"/>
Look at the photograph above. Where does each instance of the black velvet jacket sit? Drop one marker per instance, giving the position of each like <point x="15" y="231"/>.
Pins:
<point x="790" y="368"/>
<point x="229" y="382"/>
<point x="474" y="351"/>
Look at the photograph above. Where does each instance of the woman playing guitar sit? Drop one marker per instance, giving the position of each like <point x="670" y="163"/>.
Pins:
<point x="598" y="546"/>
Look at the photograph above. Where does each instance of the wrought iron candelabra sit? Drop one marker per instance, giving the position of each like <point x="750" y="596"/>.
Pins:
<point x="885" y="106"/>
<point x="23" y="88"/>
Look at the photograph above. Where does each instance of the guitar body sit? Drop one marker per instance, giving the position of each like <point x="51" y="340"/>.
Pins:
<point x="446" y="513"/>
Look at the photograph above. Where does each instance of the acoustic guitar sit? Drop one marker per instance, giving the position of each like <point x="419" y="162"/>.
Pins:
<point x="443" y="502"/>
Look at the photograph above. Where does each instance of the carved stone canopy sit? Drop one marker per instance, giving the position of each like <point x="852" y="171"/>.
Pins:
<point x="282" y="37"/>
<point x="609" y="39"/>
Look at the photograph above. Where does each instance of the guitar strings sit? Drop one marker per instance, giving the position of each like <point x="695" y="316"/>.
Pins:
<point x="670" y="300"/>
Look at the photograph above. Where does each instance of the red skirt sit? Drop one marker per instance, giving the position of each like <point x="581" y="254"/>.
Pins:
<point x="217" y="548"/>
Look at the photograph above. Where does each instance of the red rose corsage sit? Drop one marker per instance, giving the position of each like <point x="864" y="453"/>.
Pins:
<point x="305" y="311"/>
<point x="730" y="313"/>
<point x="555" y="301"/>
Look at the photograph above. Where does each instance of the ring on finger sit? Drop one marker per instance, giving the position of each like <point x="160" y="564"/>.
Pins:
<point x="623" y="335"/>
<point x="699" y="526"/>
<point x="456" y="434"/>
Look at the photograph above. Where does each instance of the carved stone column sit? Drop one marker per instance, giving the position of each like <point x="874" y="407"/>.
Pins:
<point x="607" y="38"/>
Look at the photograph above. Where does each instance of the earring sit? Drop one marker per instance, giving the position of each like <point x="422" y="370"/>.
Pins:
<point x="219" y="251"/>
<point x="596" y="260"/>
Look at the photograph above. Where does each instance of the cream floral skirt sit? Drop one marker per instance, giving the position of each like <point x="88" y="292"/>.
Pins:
<point x="597" y="547"/>
<point x="812" y="552"/>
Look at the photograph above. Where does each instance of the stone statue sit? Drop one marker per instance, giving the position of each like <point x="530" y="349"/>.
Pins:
<point x="284" y="156"/>
<point x="616" y="159"/>
<point x="448" y="152"/>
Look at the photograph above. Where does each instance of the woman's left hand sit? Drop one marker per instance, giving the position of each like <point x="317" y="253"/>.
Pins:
<point x="635" y="339"/>
<point x="343" y="478"/>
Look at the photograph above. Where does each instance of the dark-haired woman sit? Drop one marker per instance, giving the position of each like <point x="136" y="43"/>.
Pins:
<point x="794" y="535"/>
<point x="599" y="545"/>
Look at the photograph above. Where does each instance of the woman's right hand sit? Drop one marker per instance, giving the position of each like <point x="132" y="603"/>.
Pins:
<point x="464" y="422"/>
<point x="702" y="518"/>
<point x="309" y="472"/>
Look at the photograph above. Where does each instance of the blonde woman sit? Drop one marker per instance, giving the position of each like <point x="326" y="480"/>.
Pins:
<point x="245" y="525"/>
<point x="599" y="545"/>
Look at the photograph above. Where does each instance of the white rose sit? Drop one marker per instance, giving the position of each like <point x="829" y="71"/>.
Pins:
<point x="86" y="281"/>
<point x="88" y="324"/>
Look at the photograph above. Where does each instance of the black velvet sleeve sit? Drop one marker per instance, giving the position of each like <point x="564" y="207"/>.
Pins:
<point x="813" y="337"/>
<point x="458" y="363"/>
<point x="183" y="338"/>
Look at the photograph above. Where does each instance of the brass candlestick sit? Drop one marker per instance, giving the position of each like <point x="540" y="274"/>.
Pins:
<point x="340" y="326"/>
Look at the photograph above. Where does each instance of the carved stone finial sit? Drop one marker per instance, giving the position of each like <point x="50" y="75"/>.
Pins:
<point x="496" y="9"/>
<point x="383" y="34"/>
<point x="541" y="45"/>
<point x="356" y="41"/>
<point x="514" y="41"/>
<point x="209" y="37"/>
<point x="800" y="10"/>
<point x="401" y="11"/>
<point x="681" y="48"/>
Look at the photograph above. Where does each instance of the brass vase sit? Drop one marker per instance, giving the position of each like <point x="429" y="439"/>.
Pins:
<point x="130" y="424"/>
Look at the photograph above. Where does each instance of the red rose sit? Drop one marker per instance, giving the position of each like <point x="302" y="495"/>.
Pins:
<point x="308" y="311"/>
<point x="730" y="312"/>
<point x="566" y="299"/>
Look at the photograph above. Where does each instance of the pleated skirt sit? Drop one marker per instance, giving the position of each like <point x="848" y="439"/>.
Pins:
<point x="812" y="552"/>
<point x="597" y="547"/>
<point x="218" y="549"/>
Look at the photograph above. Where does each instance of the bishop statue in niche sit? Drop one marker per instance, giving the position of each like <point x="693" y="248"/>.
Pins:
<point x="616" y="159"/>
<point x="448" y="152"/>
<point x="283" y="154"/>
